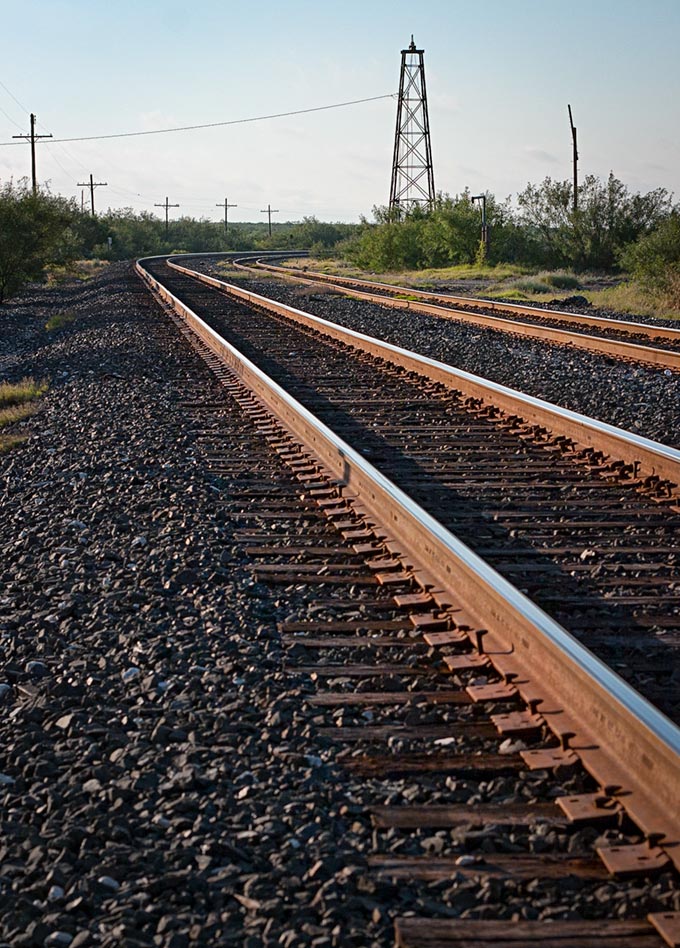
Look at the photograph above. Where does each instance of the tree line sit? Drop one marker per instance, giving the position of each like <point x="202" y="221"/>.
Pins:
<point x="543" y="230"/>
<point x="613" y="229"/>
<point x="45" y="230"/>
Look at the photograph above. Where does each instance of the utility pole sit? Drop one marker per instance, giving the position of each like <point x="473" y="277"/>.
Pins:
<point x="32" y="138"/>
<point x="166" y="206"/>
<point x="485" y="229"/>
<point x="412" y="171"/>
<point x="227" y="205"/>
<point x="92" y="185"/>
<point x="82" y="201"/>
<point x="269" y="213"/>
<point x="575" y="151"/>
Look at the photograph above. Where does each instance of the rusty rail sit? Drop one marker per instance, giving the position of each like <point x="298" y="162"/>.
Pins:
<point x="641" y="454"/>
<point x="630" y="748"/>
<point x="666" y="358"/>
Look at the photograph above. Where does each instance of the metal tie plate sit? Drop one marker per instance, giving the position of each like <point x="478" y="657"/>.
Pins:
<point x="634" y="859"/>
<point x="590" y="808"/>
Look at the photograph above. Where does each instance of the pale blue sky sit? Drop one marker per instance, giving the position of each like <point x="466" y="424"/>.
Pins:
<point x="499" y="77"/>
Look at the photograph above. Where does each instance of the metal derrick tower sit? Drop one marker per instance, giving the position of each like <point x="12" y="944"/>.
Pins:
<point x="412" y="173"/>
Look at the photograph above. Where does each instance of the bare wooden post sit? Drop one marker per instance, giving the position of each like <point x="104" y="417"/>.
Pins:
<point x="575" y="151"/>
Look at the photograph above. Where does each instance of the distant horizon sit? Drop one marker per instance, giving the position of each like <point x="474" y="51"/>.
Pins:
<point x="499" y="79"/>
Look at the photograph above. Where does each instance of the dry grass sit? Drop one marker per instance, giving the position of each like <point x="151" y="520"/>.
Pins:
<point x="7" y="442"/>
<point x="78" y="270"/>
<point x="515" y="283"/>
<point x="8" y="416"/>
<point x="630" y="298"/>
<point x="420" y="279"/>
<point x="229" y="272"/>
<point x="18" y="401"/>
<point x="17" y="393"/>
<point x="621" y="298"/>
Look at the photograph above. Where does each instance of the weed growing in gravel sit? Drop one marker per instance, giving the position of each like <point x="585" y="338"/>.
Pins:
<point x="8" y="416"/>
<point x="7" y="442"/>
<point x="59" y="320"/>
<point x="17" y="402"/>
<point x="229" y="272"/>
<point x="16" y="393"/>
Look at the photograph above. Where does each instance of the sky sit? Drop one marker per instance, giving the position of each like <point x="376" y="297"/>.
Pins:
<point x="499" y="76"/>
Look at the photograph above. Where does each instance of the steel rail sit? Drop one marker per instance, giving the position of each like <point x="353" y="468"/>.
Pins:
<point x="621" y="739"/>
<point x="649" y="329"/>
<point x="644" y="456"/>
<point x="585" y="319"/>
<point x="666" y="358"/>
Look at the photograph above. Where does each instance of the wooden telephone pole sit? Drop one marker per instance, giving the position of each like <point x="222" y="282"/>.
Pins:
<point x="92" y="185"/>
<point x="226" y="206"/>
<point x="166" y="206"/>
<point x="575" y="153"/>
<point x="32" y="138"/>
<point x="269" y="211"/>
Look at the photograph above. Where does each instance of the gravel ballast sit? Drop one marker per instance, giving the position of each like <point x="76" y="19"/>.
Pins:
<point x="638" y="398"/>
<point x="160" y="779"/>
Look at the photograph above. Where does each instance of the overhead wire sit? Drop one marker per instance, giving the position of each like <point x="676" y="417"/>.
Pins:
<point x="191" y="128"/>
<point x="160" y="131"/>
<point x="10" y="119"/>
<point x="12" y="96"/>
<point x="42" y="126"/>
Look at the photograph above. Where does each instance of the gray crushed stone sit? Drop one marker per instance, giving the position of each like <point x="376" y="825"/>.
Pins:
<point x="160" y="780"/>
<point x="638" y="398"/>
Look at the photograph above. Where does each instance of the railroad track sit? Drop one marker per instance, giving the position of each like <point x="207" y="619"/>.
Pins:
<point x="407" y="584"/>
<point x="623" y="339"/>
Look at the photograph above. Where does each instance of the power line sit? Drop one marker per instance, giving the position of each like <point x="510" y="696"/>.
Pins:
<point x="56" y="161"/>
<point x="191" y="128"/>
<point x="40" y="125"/>
<point x="12" y="96"/>
<point x="9" y="118"/>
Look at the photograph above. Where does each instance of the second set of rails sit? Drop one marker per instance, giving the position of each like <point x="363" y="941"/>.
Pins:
<point x="645" y="342"/>
<point x="578" y="519"/>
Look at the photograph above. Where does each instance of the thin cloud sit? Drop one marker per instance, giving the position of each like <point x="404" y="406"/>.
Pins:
<point x="539" y="155"/>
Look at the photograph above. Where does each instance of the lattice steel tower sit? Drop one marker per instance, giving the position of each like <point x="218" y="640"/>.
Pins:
<point x="412" y="174"/>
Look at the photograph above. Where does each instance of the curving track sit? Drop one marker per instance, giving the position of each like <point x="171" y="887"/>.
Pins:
<point x="592" y="541"/>
<point x="633" y="341"/>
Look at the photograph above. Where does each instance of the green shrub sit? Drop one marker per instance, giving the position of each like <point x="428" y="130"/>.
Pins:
<point x="609" y="217"/>
<point x="34" y="232"/>
<point x="561" y="280"/>
<point x="654" y="260"/>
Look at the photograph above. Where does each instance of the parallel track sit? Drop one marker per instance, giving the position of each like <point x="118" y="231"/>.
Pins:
<point x="614" y="733"/>
<point x="637" y="342"/>
<point x="543" y="516"/>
